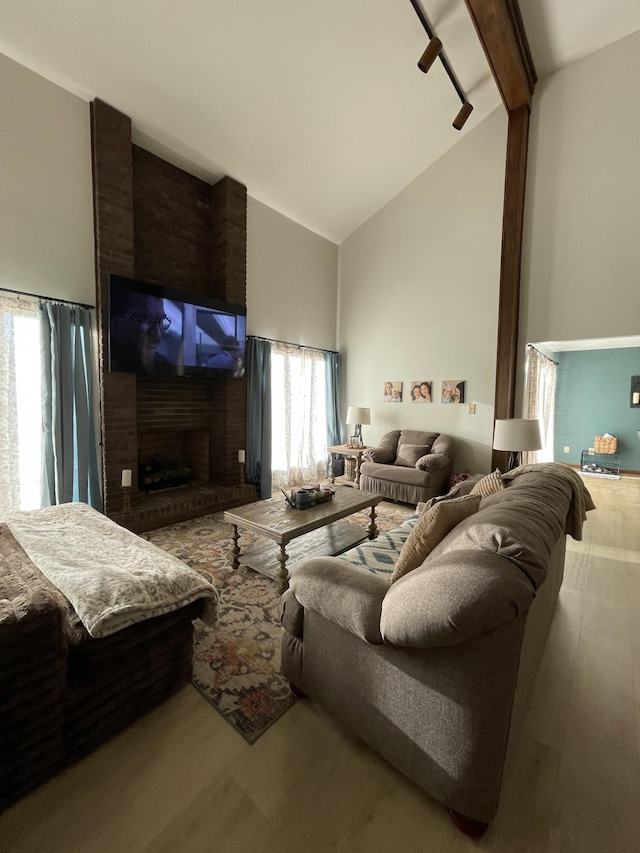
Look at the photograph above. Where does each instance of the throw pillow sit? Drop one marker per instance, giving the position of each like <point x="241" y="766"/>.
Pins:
<point x="408" y="454"/>
<point x="431" y="528"/>
<point x="426" y="506"/>
<point x="489" y="485"/>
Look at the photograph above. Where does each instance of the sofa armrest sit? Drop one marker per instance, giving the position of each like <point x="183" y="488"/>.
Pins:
<point x="452" y="598"/>
<point x="342" y="594"/>
<point x="379" y="454"/>
<point x="433" y="462"/>
<point x="291" y="614"/>
<point x="444" y="445"/>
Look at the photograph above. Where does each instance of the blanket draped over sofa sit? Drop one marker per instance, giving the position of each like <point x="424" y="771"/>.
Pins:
<point x="73" y="545"/>
<point x="581" y="501"/>
<point x="63" y="691"/>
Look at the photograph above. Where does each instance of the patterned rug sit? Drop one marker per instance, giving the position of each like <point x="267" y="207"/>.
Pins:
<point x="237" y="664"/>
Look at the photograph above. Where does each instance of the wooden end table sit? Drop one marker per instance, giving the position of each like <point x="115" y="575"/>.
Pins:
<point x="321" y="530"/>
<point x="343" y="450"/>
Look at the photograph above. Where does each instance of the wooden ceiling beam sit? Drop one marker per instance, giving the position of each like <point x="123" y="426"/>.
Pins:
<point x="501" y="33"/>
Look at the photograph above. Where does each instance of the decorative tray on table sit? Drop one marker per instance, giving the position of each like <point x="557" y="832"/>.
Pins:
<point x="304" y="497"/>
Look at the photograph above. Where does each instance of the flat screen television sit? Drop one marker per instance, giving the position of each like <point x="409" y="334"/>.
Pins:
<point x="164" y="331"/>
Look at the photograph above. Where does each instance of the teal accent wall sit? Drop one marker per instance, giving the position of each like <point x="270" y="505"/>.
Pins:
<point x="592" y="397"/>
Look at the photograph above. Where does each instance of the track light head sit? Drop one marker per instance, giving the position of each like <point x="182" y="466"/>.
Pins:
<point x="465" y="111"/>
<point x="430" y="55"/>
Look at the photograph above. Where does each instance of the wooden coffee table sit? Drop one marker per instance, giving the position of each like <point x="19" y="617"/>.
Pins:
<point x="321" y="530"/>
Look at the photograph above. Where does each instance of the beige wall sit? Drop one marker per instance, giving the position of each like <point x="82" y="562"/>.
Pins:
<point x="581" y="262"/>
<point x="418" y="283"/>
<point x="291" y="280"/>
<point x="46" y="220"/>
<point x="418" y="295"/>
<point x="46" y="207"/>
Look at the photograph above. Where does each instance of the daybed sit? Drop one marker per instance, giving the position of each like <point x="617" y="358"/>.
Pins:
<point x="434" y="669"/>
<point x="409" y="465"/>
<point x="63" y="691"/>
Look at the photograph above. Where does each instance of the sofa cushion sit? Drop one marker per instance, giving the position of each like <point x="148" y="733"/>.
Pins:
<point x="408" y="454"/>
<point x="451" y="599"/>
<point x="522" y="523"/>
<point x="395" y="474"/>
<point x="431" y="528"/>
<point x="489" y="485"/>
<point x="418" y="436"/>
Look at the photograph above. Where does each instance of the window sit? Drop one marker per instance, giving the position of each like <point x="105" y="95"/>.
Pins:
<point x="539" y="400"/>
<point x="20" y="404"/>
<point x="298" y="415"/>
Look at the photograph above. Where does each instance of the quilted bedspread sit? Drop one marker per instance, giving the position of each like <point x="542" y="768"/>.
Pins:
<point x="112" y="577"/>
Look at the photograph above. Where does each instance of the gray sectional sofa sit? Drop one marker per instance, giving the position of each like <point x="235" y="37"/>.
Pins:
<point x="409" y="465"/>
<point x="434" y="670"/>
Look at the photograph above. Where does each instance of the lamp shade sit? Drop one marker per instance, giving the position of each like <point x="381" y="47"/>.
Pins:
<point x="358" y="416"/>
<point x="517" y="434"/>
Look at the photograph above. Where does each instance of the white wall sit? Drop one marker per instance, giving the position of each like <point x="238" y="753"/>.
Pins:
<point x="581" y="262"/>
<point x="291" y="280"/>
<point x="418" y="295"/>
<point x="46" y="207"/>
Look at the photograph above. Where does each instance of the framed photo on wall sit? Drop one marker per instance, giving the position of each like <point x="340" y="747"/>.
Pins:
<point x="420" y="391"/>
<point x="392" y="392"/>
<point x="452" y="391"/>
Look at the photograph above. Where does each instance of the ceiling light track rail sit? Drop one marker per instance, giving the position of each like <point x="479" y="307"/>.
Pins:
<point x="433" y="51"/>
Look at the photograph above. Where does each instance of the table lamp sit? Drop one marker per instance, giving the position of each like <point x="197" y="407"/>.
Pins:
<point x="516" y="435"/>
<point x="358" y="417"/>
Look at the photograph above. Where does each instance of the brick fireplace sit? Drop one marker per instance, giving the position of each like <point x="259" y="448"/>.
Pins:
<point x="158" y="223"/>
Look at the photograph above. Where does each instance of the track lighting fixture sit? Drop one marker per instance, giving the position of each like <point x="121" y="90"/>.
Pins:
<point x="465" y="111"/>
<point x="430" y="55"/>
<point x="433" y="51"/>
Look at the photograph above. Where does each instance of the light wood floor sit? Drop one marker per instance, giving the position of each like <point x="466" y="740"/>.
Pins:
<point x="182" y="780"/>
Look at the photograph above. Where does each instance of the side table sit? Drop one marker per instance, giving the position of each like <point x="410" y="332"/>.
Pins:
<point x="354" y="452"/>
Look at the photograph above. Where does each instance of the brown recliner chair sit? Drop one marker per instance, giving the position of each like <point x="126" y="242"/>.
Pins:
<point x="409" y="465"/>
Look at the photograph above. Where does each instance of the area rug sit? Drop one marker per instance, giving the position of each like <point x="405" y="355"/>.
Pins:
<point x="237" y="664"/>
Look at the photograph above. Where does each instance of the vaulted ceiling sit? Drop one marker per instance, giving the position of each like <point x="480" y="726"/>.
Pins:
<point x="318" y="107"/>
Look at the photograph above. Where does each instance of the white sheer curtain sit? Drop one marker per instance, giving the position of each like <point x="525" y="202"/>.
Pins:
<point x="298" y="415"/>
<point x="20" y="404"/>
<point x="539" y="401"/>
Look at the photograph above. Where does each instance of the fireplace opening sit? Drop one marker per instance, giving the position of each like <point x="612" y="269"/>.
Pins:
<point x="171" y="459"/>
<point x="157" y="475"/>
